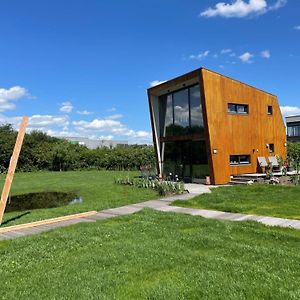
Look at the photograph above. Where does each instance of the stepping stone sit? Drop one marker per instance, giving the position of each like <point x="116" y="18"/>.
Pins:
<point x="123" y="210"/>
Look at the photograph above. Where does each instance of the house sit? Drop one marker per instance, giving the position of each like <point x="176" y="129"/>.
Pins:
<point x="206" y="124"/>
<point x="94" y="144"/>
<point x="293" y="128"/>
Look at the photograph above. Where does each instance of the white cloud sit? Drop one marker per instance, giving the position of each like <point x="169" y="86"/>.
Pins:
<point x="112" y="109"/>
<point x="265" y="54"/>
<point x="114" y="117"/>
<point x="242" y="8"/>
<point x="37" y="122"/>
<point x="7" y="96"/>
<point x="66" y="107"/>
<point x="246" y="57"/>
<point x="48" y="120"/>
<point x="297" y="27"/>
<point x="156" y="82"/>
<point x="84" y="112"/>
<point x="199" y="56"/>
<point x="290" y="110"/>
<point x="98" y="124"/>
<point x="112" y="128"/>
<point x="225" y="51"/>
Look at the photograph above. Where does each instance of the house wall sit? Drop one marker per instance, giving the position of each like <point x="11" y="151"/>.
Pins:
<point x="233" y="134"/>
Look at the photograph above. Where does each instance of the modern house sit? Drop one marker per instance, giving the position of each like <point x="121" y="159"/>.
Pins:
<point x="206" y="124"/>
<point x="293" y="128"/>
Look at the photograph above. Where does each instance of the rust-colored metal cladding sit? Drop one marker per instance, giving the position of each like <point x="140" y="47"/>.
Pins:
<point x="239" y="123"/>
<point x="12" y="166"/>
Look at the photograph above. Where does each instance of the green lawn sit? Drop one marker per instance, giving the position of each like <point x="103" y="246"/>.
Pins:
<point x="97" y="188"/>
<point x="269" y="200"/>
<point x="153" y="255"/>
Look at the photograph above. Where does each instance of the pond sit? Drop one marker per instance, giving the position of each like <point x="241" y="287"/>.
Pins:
<point x="41" y="200"/>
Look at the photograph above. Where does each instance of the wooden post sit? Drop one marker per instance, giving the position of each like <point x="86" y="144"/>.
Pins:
<point x="12" y="167"/>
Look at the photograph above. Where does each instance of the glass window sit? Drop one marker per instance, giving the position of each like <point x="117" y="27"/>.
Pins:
<point x="166" y="115"/>
<point x="271" y="148"/>
<point x="270" y="110"/>
<point x="238" y="108"/>
<point x="293" y="130"/>
<point x="196" y="110"/>
<point x="181" y="112"/>
<point x="239" y="159"/>
<point x="231" y="108"/>
<point x="242" y="109"/>
<point x="234" y="160"/>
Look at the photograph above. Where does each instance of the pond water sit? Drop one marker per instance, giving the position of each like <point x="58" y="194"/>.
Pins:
<point x="41" y="200"/>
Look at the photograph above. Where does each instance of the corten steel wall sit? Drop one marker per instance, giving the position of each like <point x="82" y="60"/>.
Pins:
<point x="230" y="134"/>
<point x="234" y="134"/>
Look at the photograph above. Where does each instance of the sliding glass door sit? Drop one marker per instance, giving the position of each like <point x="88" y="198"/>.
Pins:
<point x="186" y="160"/>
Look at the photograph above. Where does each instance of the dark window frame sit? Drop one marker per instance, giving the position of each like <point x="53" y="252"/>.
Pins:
<point x="239" y="161"/>
<point x="236" y="111"/>
<point x="188" y="88"/>
<point x="293" y="130"/>
<point x="270" y="110"/>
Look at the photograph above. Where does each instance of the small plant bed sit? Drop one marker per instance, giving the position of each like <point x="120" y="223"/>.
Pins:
<point x="260" y="199"/>
<point x="40" y="200"/>
<point x="164" y="188"/>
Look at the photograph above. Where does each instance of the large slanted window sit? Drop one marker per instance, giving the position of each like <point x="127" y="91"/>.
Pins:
<point x="241" y="109"/>
<point x="180" y="112"/>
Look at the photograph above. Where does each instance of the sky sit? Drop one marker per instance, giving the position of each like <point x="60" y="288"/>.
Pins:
<point x="82" y="68"/>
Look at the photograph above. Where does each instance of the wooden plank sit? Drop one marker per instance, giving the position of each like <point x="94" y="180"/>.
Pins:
<point x="47" y="221"/>
<point x="12" y="167"/>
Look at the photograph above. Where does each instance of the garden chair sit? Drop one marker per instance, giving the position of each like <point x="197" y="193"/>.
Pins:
<point x="273" y="160"/>
<point x="262" y="163"/>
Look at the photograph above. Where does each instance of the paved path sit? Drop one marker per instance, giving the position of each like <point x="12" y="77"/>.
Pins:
<point x="160" y="205"/>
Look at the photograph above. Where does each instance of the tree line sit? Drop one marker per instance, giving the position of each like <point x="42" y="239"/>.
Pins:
<point x="43" y="152"/>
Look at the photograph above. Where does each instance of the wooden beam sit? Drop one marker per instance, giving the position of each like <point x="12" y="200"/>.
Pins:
<point x="12" y="167"/>
<point x="47" y="221"/>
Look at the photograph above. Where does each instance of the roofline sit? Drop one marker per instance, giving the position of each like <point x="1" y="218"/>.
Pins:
<point x="196" y="72"/>
<point x="293" y="116"/>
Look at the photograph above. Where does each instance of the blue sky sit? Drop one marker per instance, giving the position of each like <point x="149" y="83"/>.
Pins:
<point x="82" y="67"/>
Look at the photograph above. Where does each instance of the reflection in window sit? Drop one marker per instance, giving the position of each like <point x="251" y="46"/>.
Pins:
<point x="181" y="112"/>
<point x="293" y="130"/>
<point x="239" y="160"/>
<point x="181" y="108"/>
<point x="238" y="108"/>
<point x="196" y="110"/>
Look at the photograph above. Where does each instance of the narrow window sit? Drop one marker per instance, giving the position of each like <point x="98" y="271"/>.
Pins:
<point x="271" y="148"/>
<point x="239" y="160"/>
<point x="241" y="109"/>
<point x="231" y="108"/>
<point x="270" y="110"/>
<point x="234" y="160"/>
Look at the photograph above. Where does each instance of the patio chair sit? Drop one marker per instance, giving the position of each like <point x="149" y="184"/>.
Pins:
<point x="274" y="162"/>
<point x="262" y="163"/>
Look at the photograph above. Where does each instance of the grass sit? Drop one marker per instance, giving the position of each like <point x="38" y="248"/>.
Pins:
<point x="97" y="188"/>
<point x="153" y="255"/>
<point x="268" y="200"/>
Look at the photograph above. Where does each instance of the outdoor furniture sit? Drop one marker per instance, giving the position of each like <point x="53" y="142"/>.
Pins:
<point x="262" y="163"/>
<point x="274" y="162"/>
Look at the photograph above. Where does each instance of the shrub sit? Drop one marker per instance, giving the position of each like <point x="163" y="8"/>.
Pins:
<point x="162" y="187"/>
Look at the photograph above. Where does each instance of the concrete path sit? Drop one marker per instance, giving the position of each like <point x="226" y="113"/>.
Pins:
<point x="162" y="204"/>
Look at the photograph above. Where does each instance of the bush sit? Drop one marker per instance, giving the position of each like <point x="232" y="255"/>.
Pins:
<point x="162" y="187"/>
<point x="42" y="152"/>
